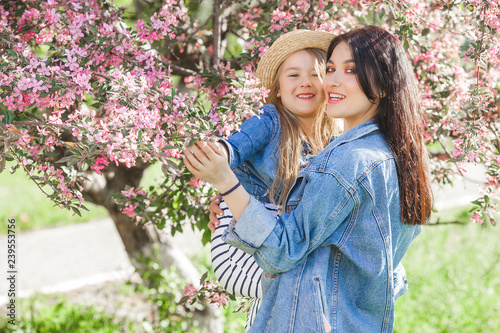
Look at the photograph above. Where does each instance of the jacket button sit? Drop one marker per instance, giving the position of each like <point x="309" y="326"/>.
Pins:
<point x="269" y="275"/>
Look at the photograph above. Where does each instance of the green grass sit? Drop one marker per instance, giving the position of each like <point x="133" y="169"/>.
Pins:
<point x="454" y="277"/>
<point x="21" y="200"/>
<point x="41" y="316"/>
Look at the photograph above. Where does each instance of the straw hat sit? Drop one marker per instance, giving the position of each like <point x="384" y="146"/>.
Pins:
<point x="286" y="45"/>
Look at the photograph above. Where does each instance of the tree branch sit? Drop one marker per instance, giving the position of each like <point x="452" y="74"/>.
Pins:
<point x="438" y="222"/>
<point x="216" y="34"/>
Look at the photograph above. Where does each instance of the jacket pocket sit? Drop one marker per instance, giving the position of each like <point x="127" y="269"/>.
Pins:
<point x="321" y="318"/>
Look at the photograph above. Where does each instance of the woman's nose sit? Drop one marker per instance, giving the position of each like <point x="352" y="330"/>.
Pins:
<point x="330" y="81"/>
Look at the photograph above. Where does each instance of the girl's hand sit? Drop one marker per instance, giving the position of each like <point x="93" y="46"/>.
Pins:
<point x="214" y="212"/>
<point x="207" y="161"/>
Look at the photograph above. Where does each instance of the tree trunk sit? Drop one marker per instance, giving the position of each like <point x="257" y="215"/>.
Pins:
<point x="141" y="240"/>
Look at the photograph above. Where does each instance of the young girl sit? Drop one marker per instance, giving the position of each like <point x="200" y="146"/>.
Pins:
<point x="353" y="212"/>
<point x="269" y="150"/>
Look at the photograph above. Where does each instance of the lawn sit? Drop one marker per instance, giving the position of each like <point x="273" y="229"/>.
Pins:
<point x="454" y="277"/>
<point x="21" y="200"/>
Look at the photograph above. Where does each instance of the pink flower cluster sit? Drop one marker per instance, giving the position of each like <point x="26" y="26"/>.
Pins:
<point x="209" y="292"/>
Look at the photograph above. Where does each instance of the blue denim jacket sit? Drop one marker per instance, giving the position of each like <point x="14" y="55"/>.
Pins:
<point x="336" y="249"/>
<point x="254" y="152"/>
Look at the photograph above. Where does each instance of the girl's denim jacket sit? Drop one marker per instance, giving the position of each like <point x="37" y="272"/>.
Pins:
<point x="337" y="247"/>
<point x="254" y="151"/>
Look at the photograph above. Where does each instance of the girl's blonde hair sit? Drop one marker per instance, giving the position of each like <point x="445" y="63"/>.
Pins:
<point x="292" y="139"/>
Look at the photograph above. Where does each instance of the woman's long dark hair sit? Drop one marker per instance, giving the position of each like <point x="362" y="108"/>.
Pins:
<point x="385" y="74"/>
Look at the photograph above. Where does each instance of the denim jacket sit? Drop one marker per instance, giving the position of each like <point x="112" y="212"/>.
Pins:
<point x="254" y="152"/>
<point x="335" y="250"/>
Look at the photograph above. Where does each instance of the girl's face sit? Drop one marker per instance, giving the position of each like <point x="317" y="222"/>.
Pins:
<point x="345" y="97"/>
<point x="300" y="87"/>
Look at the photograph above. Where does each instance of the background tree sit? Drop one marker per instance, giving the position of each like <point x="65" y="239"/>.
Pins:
<point x="92" y="94"/>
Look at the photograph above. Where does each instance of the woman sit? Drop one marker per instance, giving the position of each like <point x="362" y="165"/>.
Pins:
<point x="352" y="214"/>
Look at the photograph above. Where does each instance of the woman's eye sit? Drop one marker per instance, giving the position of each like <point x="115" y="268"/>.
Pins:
<point x="330" y="70"/>
<point x="293" y="75"/>
<point x="351" y="70"/>
<point x="315" y="75"/>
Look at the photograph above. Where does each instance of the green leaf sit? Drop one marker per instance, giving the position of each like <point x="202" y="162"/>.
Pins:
<point x="382" y="13"/>
<point x="470" y="8"/>
<point x="43" y="94"/>
<point x="76" y="211"/>
<point x="406" y="44"/>
<point x="203" y="278"/>
<point x="426" y="31"/>
<point x="93" y="29"/>
<point x="12" y="52"/>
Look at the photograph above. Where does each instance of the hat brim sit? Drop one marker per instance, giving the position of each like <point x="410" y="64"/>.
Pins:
<point x="287" y="45"/>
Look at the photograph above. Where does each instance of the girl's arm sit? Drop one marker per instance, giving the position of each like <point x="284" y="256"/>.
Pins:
<point x="253" y="135"/>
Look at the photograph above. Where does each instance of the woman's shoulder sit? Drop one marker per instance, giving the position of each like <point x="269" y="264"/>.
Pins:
<point x="355" y="156"/>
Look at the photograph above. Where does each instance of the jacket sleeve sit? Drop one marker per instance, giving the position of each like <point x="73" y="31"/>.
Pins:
<point x="279" y="245"/>
<point x="252" y="136"/>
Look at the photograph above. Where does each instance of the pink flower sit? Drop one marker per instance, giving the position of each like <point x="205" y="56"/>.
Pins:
<point x="477" y="218"/>
<point x="190" y="290"/>
<point x="129" y="193"/>
<point x="99" y="164"/>
<point x="130" y="210"/>
<point x="196" y="183"/>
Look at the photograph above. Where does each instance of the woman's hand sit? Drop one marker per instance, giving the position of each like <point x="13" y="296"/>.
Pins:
<point x="214" y="212"/>
<point x="208" y="161"/>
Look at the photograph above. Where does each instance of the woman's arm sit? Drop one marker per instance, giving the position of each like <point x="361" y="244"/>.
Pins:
<point x="278" y="245"/>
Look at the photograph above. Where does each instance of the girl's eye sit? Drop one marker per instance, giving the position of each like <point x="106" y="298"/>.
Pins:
<point x="330" y="69"/>
<point x="315" y="75"/>
<point x="351" y="70"/>
<point x="293" y="75"/>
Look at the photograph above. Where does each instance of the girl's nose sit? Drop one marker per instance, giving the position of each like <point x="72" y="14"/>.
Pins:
<point x="306" y="82"/>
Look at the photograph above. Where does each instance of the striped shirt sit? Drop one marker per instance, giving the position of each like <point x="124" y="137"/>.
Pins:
<point x="237" y="271"/>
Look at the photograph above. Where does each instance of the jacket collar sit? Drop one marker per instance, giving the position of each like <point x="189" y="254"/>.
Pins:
<point x="354" y="133"/>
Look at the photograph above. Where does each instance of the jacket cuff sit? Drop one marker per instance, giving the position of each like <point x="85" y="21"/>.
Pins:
<point x="252" y="228"/>
<point x="230" y="150"/>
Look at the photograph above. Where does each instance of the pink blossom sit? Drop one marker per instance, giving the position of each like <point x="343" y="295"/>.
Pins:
<point x="128" y="193"/>
<point x="190" y="290"/>
<point x="196" y="182"/>
<point x="129" y="210"/>
<point x="99" y="164"/>
<point x="477" y="218"/>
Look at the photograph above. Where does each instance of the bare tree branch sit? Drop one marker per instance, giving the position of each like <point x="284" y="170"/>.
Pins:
<point x="216" y="34"/>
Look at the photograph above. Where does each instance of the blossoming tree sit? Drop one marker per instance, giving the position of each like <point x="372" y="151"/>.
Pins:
<point x="93" y="94"/>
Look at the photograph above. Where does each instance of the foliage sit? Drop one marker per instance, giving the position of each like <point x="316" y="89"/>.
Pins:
<point x="63" y="317"/>
<point x="163" y="288"/>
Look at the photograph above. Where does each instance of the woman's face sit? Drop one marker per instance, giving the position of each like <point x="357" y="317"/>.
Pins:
<point x="300" y="87"/>
<point x="345" y="97"/>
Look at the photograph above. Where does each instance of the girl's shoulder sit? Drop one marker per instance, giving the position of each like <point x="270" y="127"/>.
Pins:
<point x="270" y="109"/>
